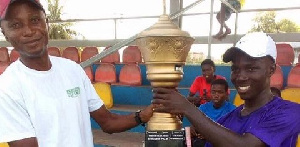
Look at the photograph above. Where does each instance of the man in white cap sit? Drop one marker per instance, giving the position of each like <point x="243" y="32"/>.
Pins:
<point x="264" y="119"/>
<point x="47" y="101"/>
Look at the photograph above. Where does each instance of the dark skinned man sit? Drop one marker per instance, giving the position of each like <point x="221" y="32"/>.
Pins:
<point x="264" y="120"/>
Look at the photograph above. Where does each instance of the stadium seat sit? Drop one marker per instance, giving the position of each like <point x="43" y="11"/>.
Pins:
<point x="3" y="66"/>
<point x="277" y="78"/>
<point x="112" y="58"/>
<point x="237" y="100"/>
<point x="72" y="54"/>
<point x="104" y="92"/>
<point x="14" y="55"/>
<point x="54" y="51"/>
<point x="291" y="94"/>
<point x="89" y="72"/>
<point x="293" y="79"/>
<point x="132" y="54"/>
<point x="4" y="55"/>
<point x="4" y="145"/>
<point x="88" y="52"/>
<point x="285" y="54"/>
<point x="106" y="72"/>
<point x="130" y="74"/>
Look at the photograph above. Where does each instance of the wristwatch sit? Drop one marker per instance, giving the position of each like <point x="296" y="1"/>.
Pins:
<point x="138" y="118"/>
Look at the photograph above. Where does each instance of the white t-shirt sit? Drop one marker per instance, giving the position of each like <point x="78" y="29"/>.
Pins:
<point x="52" y="106"/>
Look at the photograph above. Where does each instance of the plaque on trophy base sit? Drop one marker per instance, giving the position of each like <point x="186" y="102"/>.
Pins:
<point x="166" y="138"/>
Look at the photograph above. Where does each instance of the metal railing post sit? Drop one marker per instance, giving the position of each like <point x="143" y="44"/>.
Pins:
<point x="210" y="28"/>
<point x="115" y="21"/>
<point x="236" y="27"/>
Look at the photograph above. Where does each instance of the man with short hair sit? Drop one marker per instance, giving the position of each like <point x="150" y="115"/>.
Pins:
<point x="215" y="109"/>
<point x="263" y="120"/>
<point x="218" y="106"/>
<point x="202" y="83"/>
<point x="47" y="101"/>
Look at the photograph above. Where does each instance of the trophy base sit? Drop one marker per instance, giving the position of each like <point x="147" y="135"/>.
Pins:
<point x="166" y="138"/>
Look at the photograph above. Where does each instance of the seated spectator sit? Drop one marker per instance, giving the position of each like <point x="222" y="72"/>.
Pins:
<point x="275" y="91"/>
<point x="202" y="83"/>
<point x="216" y="108"/>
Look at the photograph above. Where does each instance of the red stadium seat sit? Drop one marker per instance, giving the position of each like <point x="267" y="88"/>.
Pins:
<point x="14" y="55"/>
<point x="132" y="54"/>
<point x="277" y="78"/>
<point x="3" y="66"/>
<point x="72" y="54"/>
<point x="106" y="72"/>
<point x="112" y="58"/>
<point x="130" y="74"/>
<point x="88" y="52"/>
<point x="89" y="72"/>
<point x="293" y="79"/>
<point x="4" y="55"/>
<point x="285" y="54"/>
<point x="54" y="51"/>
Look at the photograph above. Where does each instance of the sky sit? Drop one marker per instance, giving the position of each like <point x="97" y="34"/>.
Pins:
<point x="195" y="25"/>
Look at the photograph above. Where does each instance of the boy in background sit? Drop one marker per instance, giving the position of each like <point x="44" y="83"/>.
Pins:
<point x="202" y="83"/>
<point x="216" y="108"/>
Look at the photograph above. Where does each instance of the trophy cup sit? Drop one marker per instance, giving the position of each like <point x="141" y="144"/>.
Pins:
<point x="164" y="48"/>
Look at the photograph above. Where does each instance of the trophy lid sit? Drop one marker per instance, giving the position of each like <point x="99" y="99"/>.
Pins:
<point x="164" y="27"/>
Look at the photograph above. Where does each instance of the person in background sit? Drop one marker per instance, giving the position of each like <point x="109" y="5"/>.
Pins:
<point x="215" y="109"/>
<point x="275" y="91"/>
<point x="202" y="83"/>
<point x="263" y="120"/>
<point x="47" y="101"/>
<point x="224" y="14"/>
<point x="218" y="106"/>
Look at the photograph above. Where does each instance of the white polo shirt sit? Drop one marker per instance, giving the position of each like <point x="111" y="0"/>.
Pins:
<point x="52" y="106"/>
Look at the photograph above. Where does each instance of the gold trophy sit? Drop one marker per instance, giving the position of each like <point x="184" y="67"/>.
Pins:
<point x="164" y="48"/>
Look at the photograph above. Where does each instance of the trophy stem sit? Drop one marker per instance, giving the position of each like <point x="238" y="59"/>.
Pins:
<point x="164" y="121"/>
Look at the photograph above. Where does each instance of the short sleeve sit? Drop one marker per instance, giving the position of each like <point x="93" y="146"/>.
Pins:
<point x="94" y="101"/>
<point x="15" y="120"/>
<point x="195" y="86"/>
<point x="278" y="125"/>
<point x="202" y="108"/>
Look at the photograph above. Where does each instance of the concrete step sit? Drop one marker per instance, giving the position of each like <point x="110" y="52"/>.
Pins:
<point x="124" y="139"/>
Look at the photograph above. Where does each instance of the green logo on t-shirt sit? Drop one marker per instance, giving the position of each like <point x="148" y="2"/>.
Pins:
<point x="73" y="92"/>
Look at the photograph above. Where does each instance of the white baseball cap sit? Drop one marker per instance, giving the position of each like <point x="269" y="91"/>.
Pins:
<point x="255" y="44"/>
